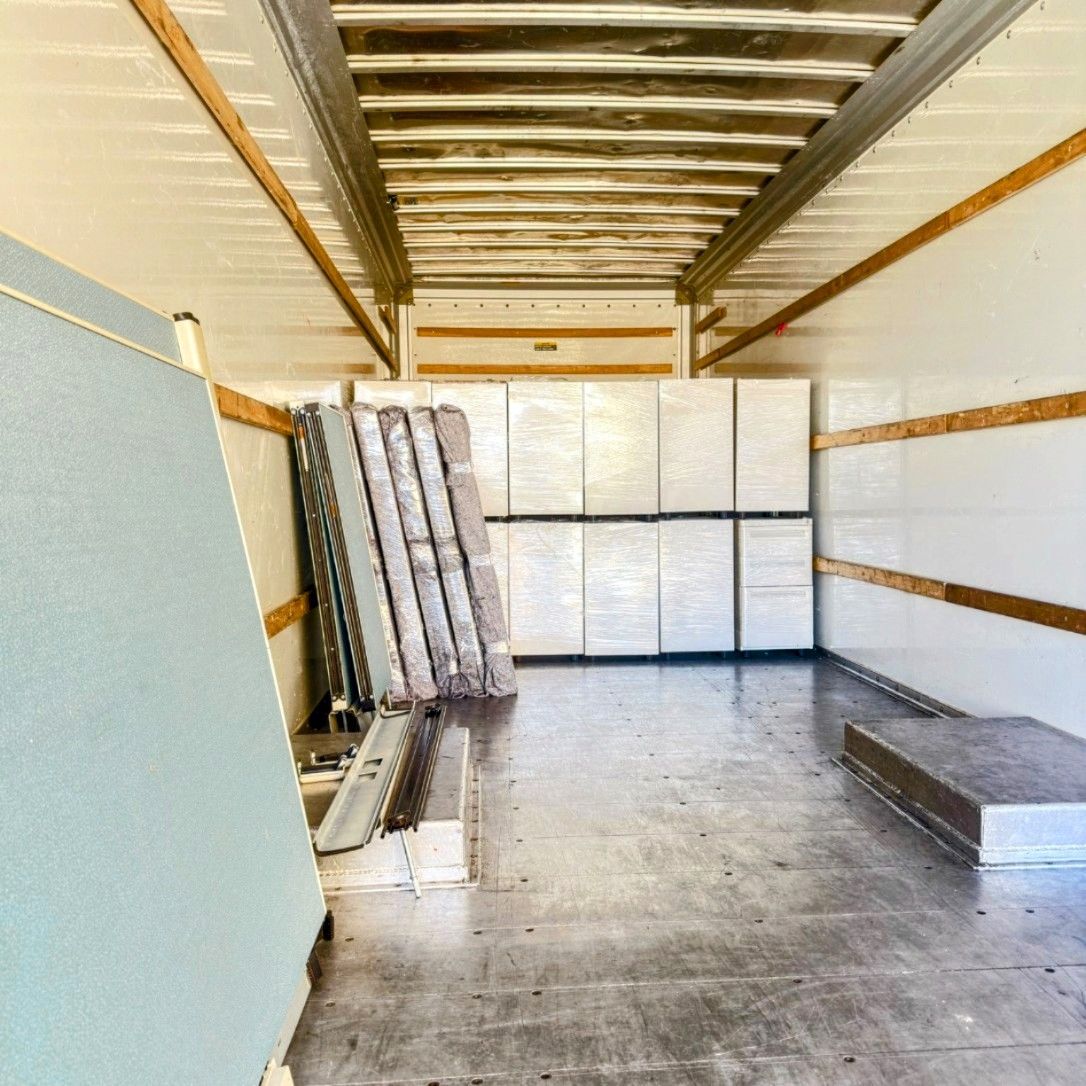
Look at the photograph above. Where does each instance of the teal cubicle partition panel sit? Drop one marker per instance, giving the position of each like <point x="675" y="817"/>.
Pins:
<point x="158" y="895"/>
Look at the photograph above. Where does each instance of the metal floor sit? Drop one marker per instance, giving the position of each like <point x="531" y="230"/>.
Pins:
<point x="678" y="886"/>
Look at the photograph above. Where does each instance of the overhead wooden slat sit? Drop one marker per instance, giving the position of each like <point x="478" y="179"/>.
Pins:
<point x="491" y="332"/>
<point x="1044" y="165"/>
<point x="241" y="408"/>
<point x="442" y="369"/>
<point x="1058" y="616"/>
<point x="286" y="614"/>
<point x="1044" y="409"/>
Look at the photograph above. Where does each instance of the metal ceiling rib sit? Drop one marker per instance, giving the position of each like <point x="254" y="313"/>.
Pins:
<point x="577" y="141"/>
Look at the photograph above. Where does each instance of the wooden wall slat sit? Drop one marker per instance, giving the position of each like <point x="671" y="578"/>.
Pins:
<point x="234" y="405"/>
<point x="1066" y="405"/>
<point x="286" y="614"/>
<point x="466" y="332"/>
<point x="1058" y="616"/>
<point x="164" y="25"/>
<point x="1045" y="164"/>
<point x="435" y="369"/>
<point x="714" y="316"/>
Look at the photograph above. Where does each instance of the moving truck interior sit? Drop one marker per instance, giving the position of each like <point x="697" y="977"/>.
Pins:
<point x="543" y="541"/>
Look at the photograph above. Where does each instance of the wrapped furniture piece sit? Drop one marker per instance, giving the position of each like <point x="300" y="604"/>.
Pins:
<point x="486" y="407"/>
<point x="696" y="458"/>
<point x="546" y="587"/>
<point x="621" y="588"/>
<point x="498" y="532"/>
<point x="772" y="445"/>
<point x="393" y="393"/>
<point x="450" y="559"/>
<point x="546" y="448"/>
<point x="420" y="550"/>
<point x="414" y="653"/>
<point x="454" y="440"/>
<point x="697" y="585"/>
<point x="621" y="465"/>
<point x="776" y="597"/>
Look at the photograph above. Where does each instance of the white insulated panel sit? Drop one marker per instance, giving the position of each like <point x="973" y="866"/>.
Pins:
<point x="772" y="445"/>
<point x="621" y="589"/>
<point x="697" y="597"/>
<point x="776" y="618"/>
<point x="696" y="439"/>
<point x="485" y="403"/>
<point x="774" y="553"/>
<point x="546" y="448"/>
<point x="393" y="393"/>
<point x="621" y="462"/>
<point x="498" y="531"/>
<point x="546" y="588"/>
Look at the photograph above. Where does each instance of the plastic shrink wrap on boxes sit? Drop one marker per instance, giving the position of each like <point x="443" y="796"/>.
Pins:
<point x="486" y="407"/>
<point x="393" y="393"/>
<point x="498" y="531"/>
<point x="546" y="587"/>
<point x="454" y="440"/>
<point x="697" y="594"/>
<point x="772" y="445"/>
<point x="696" y="474"/>
<point x="774" y="552"/>
<point x="621" y="589"/>
<point x="450" y="558"/>
<point x="776" y="618"/>
<point x="414" y="655"/>
<point x="420" y="549"/>
<point x="546" y="448"/>
<point x="621" y="465"/>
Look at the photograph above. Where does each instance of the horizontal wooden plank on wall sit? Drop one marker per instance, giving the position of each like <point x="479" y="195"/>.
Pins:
<point x="241" y="408"/>
<point x="1065" y="405"/>
<point x="1045" y="164"/>
<point x="452" y="369"/>
<point x="1058" y="616"/>
<point x="286" y="614"/>
<point x="491" y="332"/>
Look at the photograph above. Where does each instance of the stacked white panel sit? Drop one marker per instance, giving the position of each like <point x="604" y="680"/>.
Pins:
<point x="697" y="586"/>
<point x="775" y="553"/>
<point x="498" y="531"/>
<point x="621" y="462"/>
<point x="486" y="407"/>
<point x="546" y="448"/>
<point x="776" y="598"/>
<point x="772" y="445"/>
<point x="546" y="588"/>
<point x="696" y="438"/>
<point x="393" y="393"/>
<point x="621" y="589"/>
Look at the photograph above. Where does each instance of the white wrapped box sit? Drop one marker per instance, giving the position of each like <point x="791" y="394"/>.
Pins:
<point x="484" y="404"/>
<point x="621" y="465"/>
<point x="621" y="589"/>
<point x="772" y="445"/>
<point x="775" y="553"/>
<point x="393" y="393"/>
<point x="498" y="531"/>
<point x="546" y="448"/>
<point x="696" y="437"/>
<point x="546" y="588"/>
<point x="697" y="586"/>
<point x="776" y="618"/>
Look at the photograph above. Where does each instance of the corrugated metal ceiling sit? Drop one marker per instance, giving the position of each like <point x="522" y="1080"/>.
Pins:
<point x="524" y="141"/>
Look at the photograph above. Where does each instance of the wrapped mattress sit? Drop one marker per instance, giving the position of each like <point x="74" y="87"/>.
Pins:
<point x="486" y="407"/>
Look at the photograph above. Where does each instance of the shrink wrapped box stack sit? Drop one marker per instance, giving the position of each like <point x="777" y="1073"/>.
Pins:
<point x="696" y="473"/>
<point x="621" y="588"/>
<point x="406" y="394"/>
<point x="498" y="531"/>
<point x="772" y="445"/>
<point x="546" y="448"/>
<point x="485" y="405"/>
<point x="621" y="464"/>
<point x="776" y="597"/>
<point x="697" y="586"/>
<point x="546" y="587"/>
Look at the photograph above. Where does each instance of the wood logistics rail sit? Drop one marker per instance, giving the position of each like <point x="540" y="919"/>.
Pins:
<point x="490" y="332"/>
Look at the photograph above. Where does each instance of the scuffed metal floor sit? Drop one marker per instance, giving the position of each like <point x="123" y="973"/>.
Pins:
<point x="678" y="886"/>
